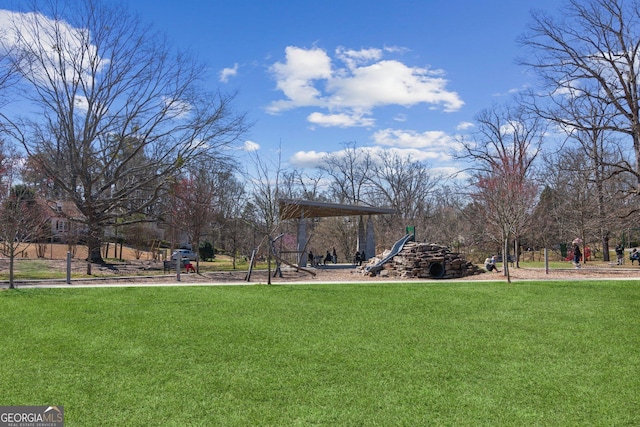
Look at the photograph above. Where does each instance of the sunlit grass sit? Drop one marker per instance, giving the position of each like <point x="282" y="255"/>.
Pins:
<point x="225" y="263"/>
<point x="44" y="269"/>
<point x="33" y="269"/>
<point x="539" y="353"/>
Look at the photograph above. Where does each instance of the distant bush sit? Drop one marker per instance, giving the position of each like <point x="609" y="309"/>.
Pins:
<point x="206" y="251"/>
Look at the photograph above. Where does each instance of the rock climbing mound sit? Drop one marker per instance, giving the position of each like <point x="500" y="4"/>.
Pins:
<point x="423" y="260"/>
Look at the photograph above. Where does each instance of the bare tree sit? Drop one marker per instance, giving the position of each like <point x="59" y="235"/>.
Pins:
<point x="403" y="184"/>
<point x="120" y="111"/>
<point x="201" y="200"/>
<point x="194" y="208"/>
<point x="8" y="74"/>
<point x="21" y="218"/>
<point x="597" y="160"/>
<point x="140" y="237"/>
<point x="230" y="204"/>
<point x="504" y="150"/>
<point x="349" y="170"/>
<point x="552" y="218"/>
<point x="446" y="222"/>
<point x="266" y="177"/>
<point x="575" y="203"/>
<point x="582" y="195"/>
<point x="592" y="53"/>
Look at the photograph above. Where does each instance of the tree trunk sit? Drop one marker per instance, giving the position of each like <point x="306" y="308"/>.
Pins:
<point x="605" y="247"/>
<point x="269" y="260"/>
<point x="505" y="258"/>
<point x="11" y="266"/>
<point x="94" y="243"/>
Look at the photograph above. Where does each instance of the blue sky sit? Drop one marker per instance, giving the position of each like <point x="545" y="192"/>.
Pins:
<point x="312" y="75"/>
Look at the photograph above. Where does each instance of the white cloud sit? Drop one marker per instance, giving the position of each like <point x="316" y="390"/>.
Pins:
<point x="226" y="73"/>
<point x="313" y="159"/>
<point x="512" y="127"/>
<point x="395" y="49"/>
<point x="391" y="83"/>
<point x="340" y="120"/>
<point x="6" y="22"/>
<point x="250" y="146"/>
<point x="310" y="78"/>
<point x="51" y="39"/>
<point x="412" y="153"/>
<point x="409" y="139"/>
<point x="176" y="108"/>
<point x="297" y="76"/>
<point x="353" y="58"/>
<point x="511" y="91"/>
<point x="426" y="146"/>
<point x="464" y="126"/>
<point x="307" y="159"/>
<point x="452" y="172"/>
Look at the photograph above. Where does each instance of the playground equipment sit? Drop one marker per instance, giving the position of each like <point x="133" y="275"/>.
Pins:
<point x="397" y="247"/>
<point x="279" y="261"/>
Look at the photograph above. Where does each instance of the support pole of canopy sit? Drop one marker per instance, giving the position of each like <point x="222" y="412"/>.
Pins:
<point x="362" y="245"/>
<point x="371" y="239"/>
<point x="302" y="240"/>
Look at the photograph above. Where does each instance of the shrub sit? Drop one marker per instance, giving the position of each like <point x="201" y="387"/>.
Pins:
<point x="206" y="251"/>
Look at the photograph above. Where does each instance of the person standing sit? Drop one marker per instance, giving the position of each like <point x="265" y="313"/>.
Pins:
<point x="577" y="255"/>
<point x="620" y="253"/>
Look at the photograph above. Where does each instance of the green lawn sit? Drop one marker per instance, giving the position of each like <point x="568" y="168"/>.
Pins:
<point x="477" y="354"/>
<point x="33" y="269"/>
<point x="43" y="269"/>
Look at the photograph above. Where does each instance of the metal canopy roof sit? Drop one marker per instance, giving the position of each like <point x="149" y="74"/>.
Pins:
<point x="296" y="208"/>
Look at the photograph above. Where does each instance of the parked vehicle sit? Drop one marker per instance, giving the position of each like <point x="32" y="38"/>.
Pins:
<point x="184" y="253"/>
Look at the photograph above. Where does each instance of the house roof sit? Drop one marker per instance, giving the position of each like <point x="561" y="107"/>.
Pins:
<point x="60" y="209"/>
<point x="296" y="209"/>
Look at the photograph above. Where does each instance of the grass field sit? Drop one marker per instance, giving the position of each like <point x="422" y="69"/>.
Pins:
<point x="42" y="269"/>
<point x="476" y="354"/>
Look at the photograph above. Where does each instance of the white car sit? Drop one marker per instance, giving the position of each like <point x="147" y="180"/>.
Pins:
<point x="184" y="253"/>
